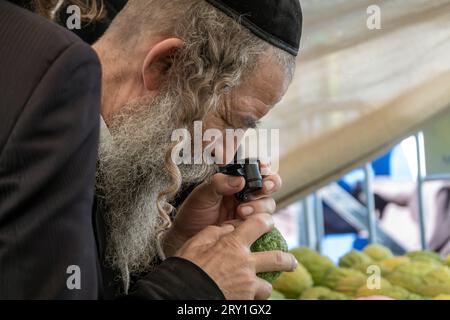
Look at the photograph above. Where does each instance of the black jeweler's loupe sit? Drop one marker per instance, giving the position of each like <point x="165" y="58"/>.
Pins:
<point x="250" y="170"/>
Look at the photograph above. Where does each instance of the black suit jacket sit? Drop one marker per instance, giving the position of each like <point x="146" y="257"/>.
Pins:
<point x="49" y="126"/>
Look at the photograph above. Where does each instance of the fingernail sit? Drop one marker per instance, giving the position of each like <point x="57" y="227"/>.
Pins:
<point x="246" y="211"/>
<point x="295" y="264"/>
<point x="234" y="181"/>
<point x="269" y="185"/>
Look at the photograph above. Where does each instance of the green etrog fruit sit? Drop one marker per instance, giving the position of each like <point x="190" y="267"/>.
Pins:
<point x="411" y="276"/>
<point x="276" y="295"/>
<point x="389" y="265"/>
<point x="316" y="264"/>
<point x="425" y="256"/>
<point x="378" y="252"/>
<point x="271" y="241"/>
<point x="292" y="284"/>
<point x="447" y="261"/>
<point x="391" y="291"/>
<point x="355" y="260"/>
<point x="322" y="293"/>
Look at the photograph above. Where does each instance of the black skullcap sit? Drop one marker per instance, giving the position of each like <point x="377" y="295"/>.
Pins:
<point x="278" y="22"/>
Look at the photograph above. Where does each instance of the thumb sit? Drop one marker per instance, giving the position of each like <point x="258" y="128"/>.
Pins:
<point x="209" y="193"/>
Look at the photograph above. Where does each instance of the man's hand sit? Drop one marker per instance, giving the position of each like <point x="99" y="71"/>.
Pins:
<point x="224" y="254"/>
<point x="212" y="203"/>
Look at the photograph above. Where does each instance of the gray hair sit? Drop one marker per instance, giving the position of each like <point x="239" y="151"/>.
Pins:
<point x="217" y="57"/>
<point x="218" y="54"/>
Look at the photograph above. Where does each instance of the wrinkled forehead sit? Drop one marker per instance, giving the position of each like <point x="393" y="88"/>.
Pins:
<point x="267" y="82"/>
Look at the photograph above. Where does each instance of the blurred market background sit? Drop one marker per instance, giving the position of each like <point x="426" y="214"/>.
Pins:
<point x="361" y="103"/>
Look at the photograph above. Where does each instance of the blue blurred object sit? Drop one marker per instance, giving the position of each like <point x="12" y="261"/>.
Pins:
<point x="335" y="246"/>
<point x="360" y="243"/>
<point x="382" y="166"/>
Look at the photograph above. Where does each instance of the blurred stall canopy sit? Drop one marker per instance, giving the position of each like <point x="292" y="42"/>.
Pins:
<point x="359" y="91"/>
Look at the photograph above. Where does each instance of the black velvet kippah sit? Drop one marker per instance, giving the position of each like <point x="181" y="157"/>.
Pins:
<point x="278" y="22"/>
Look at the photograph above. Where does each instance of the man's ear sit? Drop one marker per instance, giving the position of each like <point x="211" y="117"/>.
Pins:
<point x="158" y="61"/>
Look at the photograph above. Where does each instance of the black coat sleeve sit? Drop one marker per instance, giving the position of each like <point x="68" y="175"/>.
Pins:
<point x="47" y="177"/>
<point x="176" y="279"/>
<point x="172" y="279"/>
<point x="49" y="122"/>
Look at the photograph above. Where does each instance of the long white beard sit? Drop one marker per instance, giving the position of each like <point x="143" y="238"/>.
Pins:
<point x="131" y="175"/>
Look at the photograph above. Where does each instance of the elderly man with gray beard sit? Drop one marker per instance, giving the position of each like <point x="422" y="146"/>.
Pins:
<point x="165" y="65"/>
